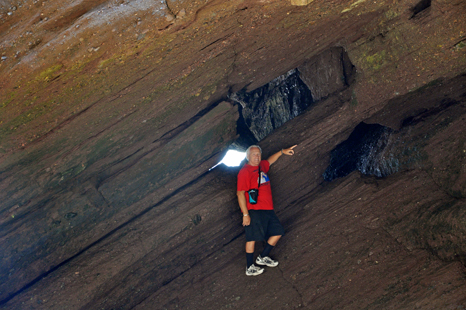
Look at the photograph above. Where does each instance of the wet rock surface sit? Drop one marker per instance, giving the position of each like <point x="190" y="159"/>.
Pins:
<point x="270" y="106"/>
<point x="112" y="112"/>
<point x="285" y="97"/>
<point x="360" y="152"/>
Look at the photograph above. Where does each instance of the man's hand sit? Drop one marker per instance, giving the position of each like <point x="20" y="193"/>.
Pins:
<point x="246" y="220"/>
<point x="289" y="151"/>
<point x="244" y="208"/>
<point x="274" y="157"/>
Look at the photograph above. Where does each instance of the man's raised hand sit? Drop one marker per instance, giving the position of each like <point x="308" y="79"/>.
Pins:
<point x="289" y="151"/>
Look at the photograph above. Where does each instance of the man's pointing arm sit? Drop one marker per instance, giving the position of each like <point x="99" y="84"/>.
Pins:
<point x="274" y="157"/>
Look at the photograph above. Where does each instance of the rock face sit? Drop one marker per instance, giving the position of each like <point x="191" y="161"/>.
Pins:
<point x="327" y="73"/>
<point x="112" y="112"/>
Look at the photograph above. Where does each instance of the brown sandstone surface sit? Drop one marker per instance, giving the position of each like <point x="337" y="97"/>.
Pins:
<point x="112" y="112"/>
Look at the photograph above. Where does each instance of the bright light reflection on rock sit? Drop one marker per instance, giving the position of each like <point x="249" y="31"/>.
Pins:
<point x="232" y="159"/>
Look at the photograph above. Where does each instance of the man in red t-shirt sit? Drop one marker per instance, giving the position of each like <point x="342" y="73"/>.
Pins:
<point x="259" y="219"/>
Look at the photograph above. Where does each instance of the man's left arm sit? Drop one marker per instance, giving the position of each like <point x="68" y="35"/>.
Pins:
<point x="274" y="157"/>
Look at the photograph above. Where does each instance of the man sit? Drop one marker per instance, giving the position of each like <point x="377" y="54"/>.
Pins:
<point x="259" y="220"/>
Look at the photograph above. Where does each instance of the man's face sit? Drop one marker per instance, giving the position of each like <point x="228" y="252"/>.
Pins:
<point x="254" y="158"/>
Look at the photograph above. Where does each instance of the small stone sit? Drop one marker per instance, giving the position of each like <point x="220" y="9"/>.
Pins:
<point x="4" y="58"/>
<point x="181" y="13"/>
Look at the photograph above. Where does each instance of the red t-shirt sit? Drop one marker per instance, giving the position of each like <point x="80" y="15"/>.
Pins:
<point x="248" y="178"/>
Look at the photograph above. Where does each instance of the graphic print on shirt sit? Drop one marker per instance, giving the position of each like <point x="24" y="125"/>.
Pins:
<point x="264" y="178"/>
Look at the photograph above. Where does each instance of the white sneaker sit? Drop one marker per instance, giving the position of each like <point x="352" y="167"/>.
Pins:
<point x="266" y="261"/>
<point x="254" y="270"/>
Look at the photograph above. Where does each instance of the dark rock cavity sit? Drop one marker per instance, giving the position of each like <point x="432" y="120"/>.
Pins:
<point x="270" y="106"/>
<point x="421" y="6"/>
<point x="363" y="151"/>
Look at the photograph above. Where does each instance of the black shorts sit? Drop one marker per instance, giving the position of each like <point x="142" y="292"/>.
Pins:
<point x="264" y="224"/>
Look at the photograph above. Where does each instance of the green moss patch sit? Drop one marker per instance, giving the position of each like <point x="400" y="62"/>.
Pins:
<point x="49" y="73"/>
<point x="377" y="60"/>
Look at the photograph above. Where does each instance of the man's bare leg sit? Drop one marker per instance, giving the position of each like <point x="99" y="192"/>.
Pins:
<point x="273" y="240"/>
<point x="250" y="246"/>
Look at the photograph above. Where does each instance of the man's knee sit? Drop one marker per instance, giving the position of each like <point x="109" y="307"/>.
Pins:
<point x="250" y="246"/>
<point x="274" y="239"/>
